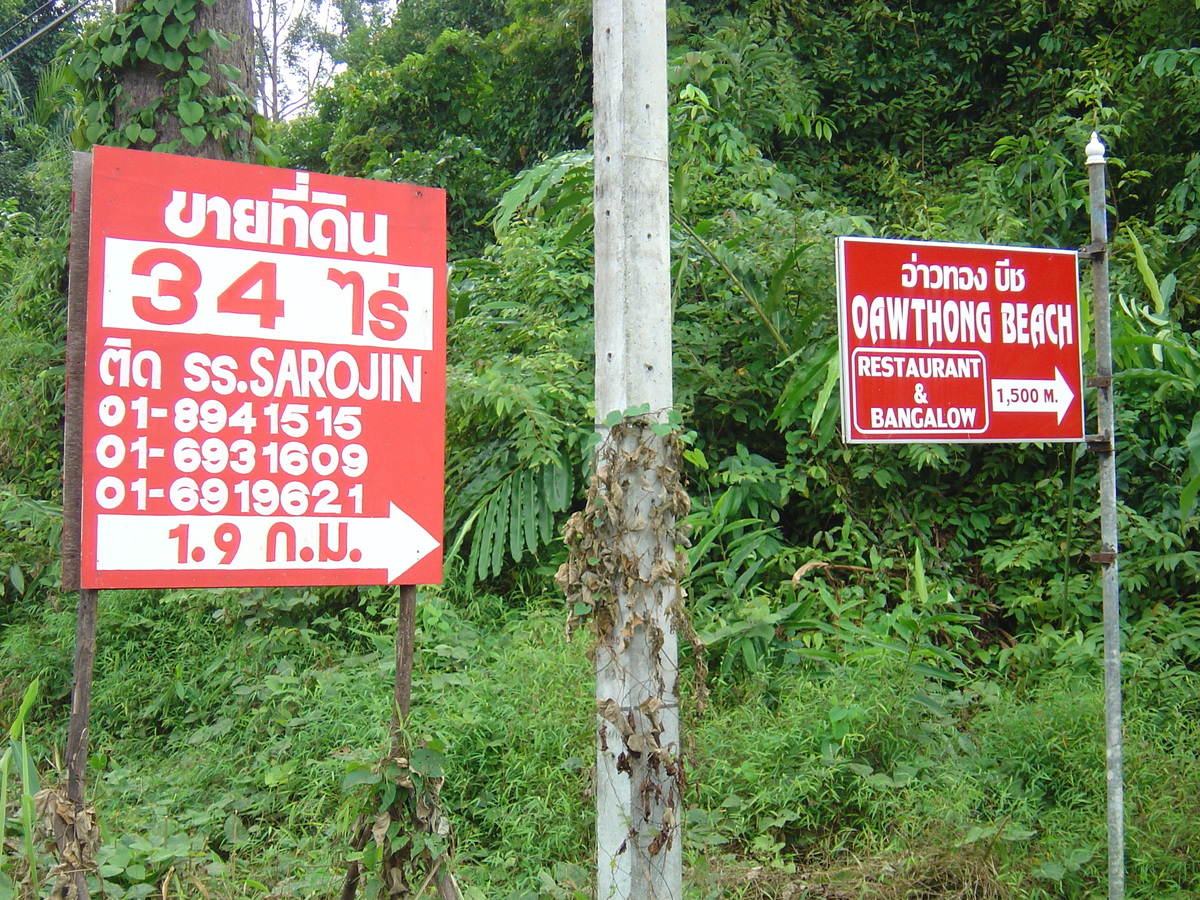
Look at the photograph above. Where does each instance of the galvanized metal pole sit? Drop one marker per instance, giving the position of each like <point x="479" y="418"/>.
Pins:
<point x="638" y="773"/>
<point x="1105" y="446"/>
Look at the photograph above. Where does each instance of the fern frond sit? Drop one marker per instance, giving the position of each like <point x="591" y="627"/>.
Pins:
<point x="515" y="515"/>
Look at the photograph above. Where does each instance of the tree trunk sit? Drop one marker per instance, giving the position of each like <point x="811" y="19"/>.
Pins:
<point x="74" y="826"/>
<point x="144" y="84"/>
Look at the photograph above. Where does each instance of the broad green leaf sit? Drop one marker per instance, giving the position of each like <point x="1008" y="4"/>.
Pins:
<point x="428" y="763"/>
<point x="17" y="577"/>
<point x="359" y="775"/>
<point x="194" y="134"/>
<point x="919" y="584"/>
<point x="191" y="112"/>
<point x="175" y="33"/>
<point x="152" y="27"/>
<point x="535" y="508"/>
<point x="1148" y="279"/>
<point x="831" y="380"/>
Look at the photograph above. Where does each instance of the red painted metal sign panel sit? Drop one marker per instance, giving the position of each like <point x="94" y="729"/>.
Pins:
<point x="264" y="398"/>
<point x="949" y="343"/>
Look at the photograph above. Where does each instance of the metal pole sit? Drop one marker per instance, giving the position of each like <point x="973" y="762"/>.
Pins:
<point x="638" y="774"/>
<point x="1105" y="447"/>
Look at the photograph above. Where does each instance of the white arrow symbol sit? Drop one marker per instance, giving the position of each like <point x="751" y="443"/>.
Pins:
<point x="395" y="542"/>
<point x="1032" y="395"/>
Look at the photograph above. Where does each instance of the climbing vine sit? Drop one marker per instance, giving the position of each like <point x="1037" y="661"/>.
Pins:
<point x="196" y="99"/>
<point x="599" y="565"/>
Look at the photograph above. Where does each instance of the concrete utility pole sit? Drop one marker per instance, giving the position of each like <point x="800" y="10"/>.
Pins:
<point x="638" y="772"/>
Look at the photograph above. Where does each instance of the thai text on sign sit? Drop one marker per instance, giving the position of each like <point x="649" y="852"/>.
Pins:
<point x="265" y="377"/>
<point x="958" y="342"/>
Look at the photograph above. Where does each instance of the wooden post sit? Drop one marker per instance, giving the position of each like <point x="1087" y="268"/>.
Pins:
<point x="638" y="772"/>
<point x="72" y="840"/>
<point x="406" y="629"/>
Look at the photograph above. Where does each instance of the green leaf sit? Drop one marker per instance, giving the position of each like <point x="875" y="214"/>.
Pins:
<point x="534" y="506"/>
<point x="832" y="373"/>
<point x="1187" y="496"/>
<point x="359" y="775"/>
<point x="199" y="78"/>
<point x="919" y="575"/>
<point x="428" y="763"/>
<point x="502" y="500"/>
<point x="17" y="577"/>
<point x="235" y="829"/>
<point x="152" y="27"/>
<point x="191" y="112"/>
<point x="194" y="134"/>
<point x="175" y="33"/>
<point x="198" y="45"/>
<point x="173" y="60"/>
<point x="1148" y="279"/>
<point x="276" y="775"/>
<point x="516" y="517"/>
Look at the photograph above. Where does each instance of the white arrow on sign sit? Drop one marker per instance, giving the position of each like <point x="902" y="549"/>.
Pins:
<point x="395" y="542"/>
<point x="1032" y="395"/>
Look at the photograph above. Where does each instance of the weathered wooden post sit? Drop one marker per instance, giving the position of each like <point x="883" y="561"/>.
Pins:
<point x="637" y="499"/>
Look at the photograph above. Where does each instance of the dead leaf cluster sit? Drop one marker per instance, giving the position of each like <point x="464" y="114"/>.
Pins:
<point x="76" y="839"/>
<point x="408" y="866"/>
<point x="602" y="562"/>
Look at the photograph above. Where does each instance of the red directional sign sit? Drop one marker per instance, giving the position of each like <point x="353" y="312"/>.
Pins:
<point x="948" y="343"/>
<point x="264" y="397"/>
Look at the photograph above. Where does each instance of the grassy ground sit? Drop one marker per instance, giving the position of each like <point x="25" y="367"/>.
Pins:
<point x="225" y="726"/>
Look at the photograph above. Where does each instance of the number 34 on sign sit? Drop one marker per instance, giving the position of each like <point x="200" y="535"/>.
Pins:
<point x="264" y="388"/>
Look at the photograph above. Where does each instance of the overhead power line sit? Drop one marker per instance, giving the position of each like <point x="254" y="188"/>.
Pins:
<point x="28" y="17"/>
<point x="41" y="31"/>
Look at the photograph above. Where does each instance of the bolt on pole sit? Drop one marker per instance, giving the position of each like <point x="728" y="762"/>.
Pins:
<point x="1105" y="446"/>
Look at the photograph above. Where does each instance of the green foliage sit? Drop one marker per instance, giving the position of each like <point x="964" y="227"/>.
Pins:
<point x="33" y="244"/>
<point x="517" y="414"/>
<point x="158" y="35"/>
<point x="459" y="98"/>
<point x="904" y="638"/>
<point x="17" y="759"/>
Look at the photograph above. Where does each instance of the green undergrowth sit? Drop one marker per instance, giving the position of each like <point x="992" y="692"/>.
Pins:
<point x="227" y="728"/>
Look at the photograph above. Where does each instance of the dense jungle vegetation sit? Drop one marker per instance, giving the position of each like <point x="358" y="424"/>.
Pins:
<point x="901" y="641"/>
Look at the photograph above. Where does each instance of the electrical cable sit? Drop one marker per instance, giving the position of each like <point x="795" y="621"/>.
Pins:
<point x="41" y="31"/>
<point x="27" y="18"/>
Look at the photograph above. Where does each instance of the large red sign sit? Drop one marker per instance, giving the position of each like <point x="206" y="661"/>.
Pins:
<point x="264" y="398"/>
<point x="958" y="342"/>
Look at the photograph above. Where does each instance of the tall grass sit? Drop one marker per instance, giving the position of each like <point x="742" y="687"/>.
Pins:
<point x="17" y="758"/>
<point x="224" y="727"/>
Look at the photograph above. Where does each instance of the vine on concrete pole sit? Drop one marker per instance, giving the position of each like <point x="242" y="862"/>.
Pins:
<point x="624" y="548"/>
